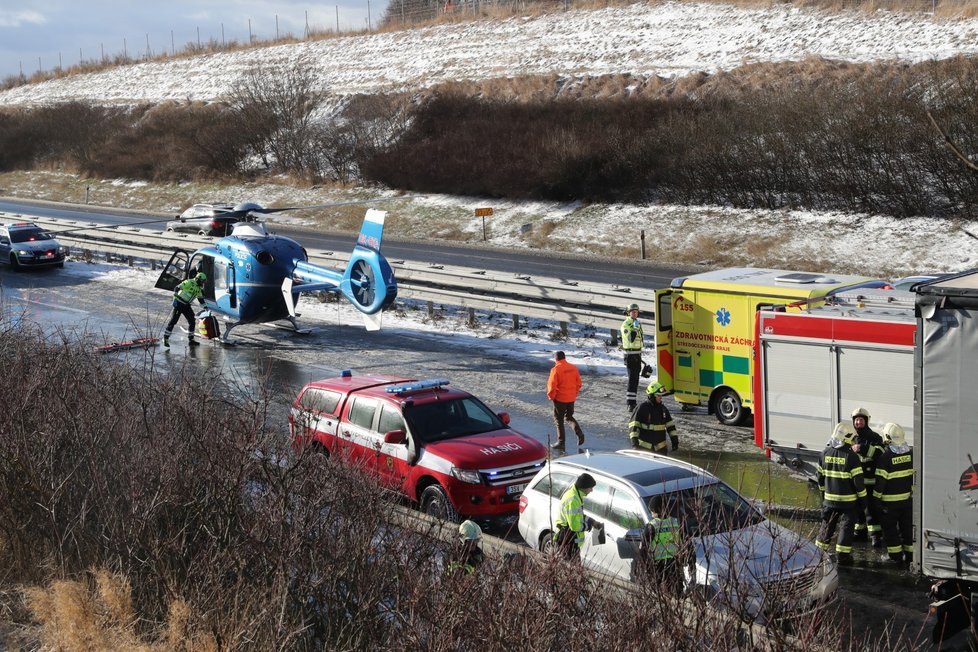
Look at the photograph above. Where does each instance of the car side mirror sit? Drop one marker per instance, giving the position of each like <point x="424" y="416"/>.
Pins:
<point x="395" y="437"/>
<point x="504" y="417"/>
<point x="628" y="544"/>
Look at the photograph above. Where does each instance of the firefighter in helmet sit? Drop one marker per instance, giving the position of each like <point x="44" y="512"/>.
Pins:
<point x="632" y="341"/>
<point x="893" y="493"/>
<point x="469" y="554"/>
<point x="840" y="478"/>
<point x="869" y="446"/>
<point x="651" y="422"/>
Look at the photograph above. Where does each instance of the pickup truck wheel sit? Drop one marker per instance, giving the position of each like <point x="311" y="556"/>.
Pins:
<point x="729" y="409"/>
<point x="434" y="502"/>
<point x="322" y="452"/>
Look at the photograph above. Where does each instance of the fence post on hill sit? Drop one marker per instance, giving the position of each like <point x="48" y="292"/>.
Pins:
<point x="641" y="238"/>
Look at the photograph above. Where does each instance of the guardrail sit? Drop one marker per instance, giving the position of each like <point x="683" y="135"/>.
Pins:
<point x="565" y="301"/>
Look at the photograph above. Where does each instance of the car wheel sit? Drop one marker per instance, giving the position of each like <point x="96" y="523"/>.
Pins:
<point x="547" y="544"/>
<point x="201" y="232"/>
<point x="170" y="229"/>
<point x="434" y="502"/>
<point x="729" y="409"/>
<point x="60" y="265"/>
<point x="321" y="451"/>
<point x="14" y="263"/>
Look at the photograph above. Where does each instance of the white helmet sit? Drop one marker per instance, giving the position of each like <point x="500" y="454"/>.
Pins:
<point x="469" y="531"/>
<point x="861" y="412"/>
<point x="844" y="433"/>
<point x="893" y="434"/>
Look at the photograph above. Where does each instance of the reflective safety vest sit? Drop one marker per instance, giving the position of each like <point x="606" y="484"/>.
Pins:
<point x="650" y="424"/>
<point x="188" y="291"/>
<point x="894" y="475"/>
<point x="840" y="477"/>
<point x="631" y="336"/>
<point x="666" y="543"/>
<point x="572" y="514"/>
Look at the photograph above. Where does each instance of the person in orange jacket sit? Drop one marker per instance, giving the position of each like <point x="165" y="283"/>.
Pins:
<point x="562" y="388"/>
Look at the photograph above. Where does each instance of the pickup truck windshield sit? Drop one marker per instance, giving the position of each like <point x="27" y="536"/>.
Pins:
<point x="449" y="419"/>
<point x="711" y="509"/>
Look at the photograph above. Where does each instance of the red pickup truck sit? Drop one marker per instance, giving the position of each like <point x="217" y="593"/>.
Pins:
<point x="438" y="445"/>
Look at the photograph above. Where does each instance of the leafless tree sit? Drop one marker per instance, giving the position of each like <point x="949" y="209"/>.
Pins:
<point x="277" y="110"/>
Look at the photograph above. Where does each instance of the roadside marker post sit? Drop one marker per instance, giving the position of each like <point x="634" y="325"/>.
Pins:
<point x="483" y="213"/>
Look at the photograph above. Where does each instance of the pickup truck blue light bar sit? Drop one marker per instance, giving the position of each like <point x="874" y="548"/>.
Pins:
<point x="416" y="385"/>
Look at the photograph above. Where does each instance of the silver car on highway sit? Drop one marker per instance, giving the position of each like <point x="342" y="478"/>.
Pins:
<point x="742" y="560"/>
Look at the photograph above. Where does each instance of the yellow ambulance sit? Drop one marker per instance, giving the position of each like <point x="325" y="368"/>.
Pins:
<point x="704" y="330"/>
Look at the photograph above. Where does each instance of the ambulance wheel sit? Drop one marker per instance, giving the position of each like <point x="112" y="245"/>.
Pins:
<point x="435" y="502"/>
<point x="728" y="408"/>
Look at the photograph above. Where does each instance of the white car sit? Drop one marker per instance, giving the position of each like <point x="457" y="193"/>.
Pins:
<point x="742" y="559"/>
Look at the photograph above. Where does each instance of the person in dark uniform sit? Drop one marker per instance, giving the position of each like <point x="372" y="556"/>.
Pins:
<point x="893" y="493"/>
<point x="840" y="479"/>
<point x="868" y="445"/>
<point x="651" y="422"/>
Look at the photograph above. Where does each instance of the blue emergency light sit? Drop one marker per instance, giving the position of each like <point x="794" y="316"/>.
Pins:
<point x="415" y="385"/>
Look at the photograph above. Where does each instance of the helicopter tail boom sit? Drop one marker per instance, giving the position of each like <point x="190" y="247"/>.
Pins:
<point x="368" y="280"/>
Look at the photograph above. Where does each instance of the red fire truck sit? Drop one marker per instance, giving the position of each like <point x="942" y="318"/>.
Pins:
<point x="814" y="368"/>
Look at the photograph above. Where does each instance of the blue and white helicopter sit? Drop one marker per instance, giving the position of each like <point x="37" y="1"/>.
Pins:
<point x="255" y="277"/>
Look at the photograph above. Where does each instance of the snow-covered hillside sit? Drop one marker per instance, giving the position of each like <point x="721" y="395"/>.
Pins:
<point x="666" y="39"/>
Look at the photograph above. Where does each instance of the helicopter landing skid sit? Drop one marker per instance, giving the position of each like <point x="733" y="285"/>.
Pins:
<point x="294" y="328"/>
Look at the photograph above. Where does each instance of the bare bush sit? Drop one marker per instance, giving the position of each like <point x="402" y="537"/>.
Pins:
<point x="277" y="110"/>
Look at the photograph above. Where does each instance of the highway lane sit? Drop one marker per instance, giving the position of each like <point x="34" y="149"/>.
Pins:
<point x="625" y="273"/>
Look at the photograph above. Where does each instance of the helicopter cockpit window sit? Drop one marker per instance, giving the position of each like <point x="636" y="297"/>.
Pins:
<point x="265" y="257"/>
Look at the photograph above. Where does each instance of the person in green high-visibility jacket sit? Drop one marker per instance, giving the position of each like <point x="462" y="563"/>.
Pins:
<point x="571" y="523"/>
<point x="632" y="341"/>
<point x="658" y="557"/>
<point x="183" y="296"/>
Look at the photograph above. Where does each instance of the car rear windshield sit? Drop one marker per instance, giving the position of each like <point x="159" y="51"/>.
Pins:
<point x="29" y="235"/>
<point x="450" y="418"/>
<point x="710" y="509"/>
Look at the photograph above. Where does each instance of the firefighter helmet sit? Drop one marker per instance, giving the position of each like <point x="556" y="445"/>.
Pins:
<point x="844" y="433"/>
<point x="201" y="278"/>
<point x="631" y="307"/>
<point x="861" y="412"/>
<point x="893" y="434"/>
<point x="469" y="531"/>
<point x="655" y="387"/>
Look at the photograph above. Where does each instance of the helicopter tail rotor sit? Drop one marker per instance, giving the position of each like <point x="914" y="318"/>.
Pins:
<point x="367" y="282"/>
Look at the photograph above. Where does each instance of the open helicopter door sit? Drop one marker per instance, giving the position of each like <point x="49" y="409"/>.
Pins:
<point x="175" y="270"/>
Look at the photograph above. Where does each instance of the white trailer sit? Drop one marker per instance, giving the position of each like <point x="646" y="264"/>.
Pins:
<point x="815" y="367"/>
<point x="946" y="448"/>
